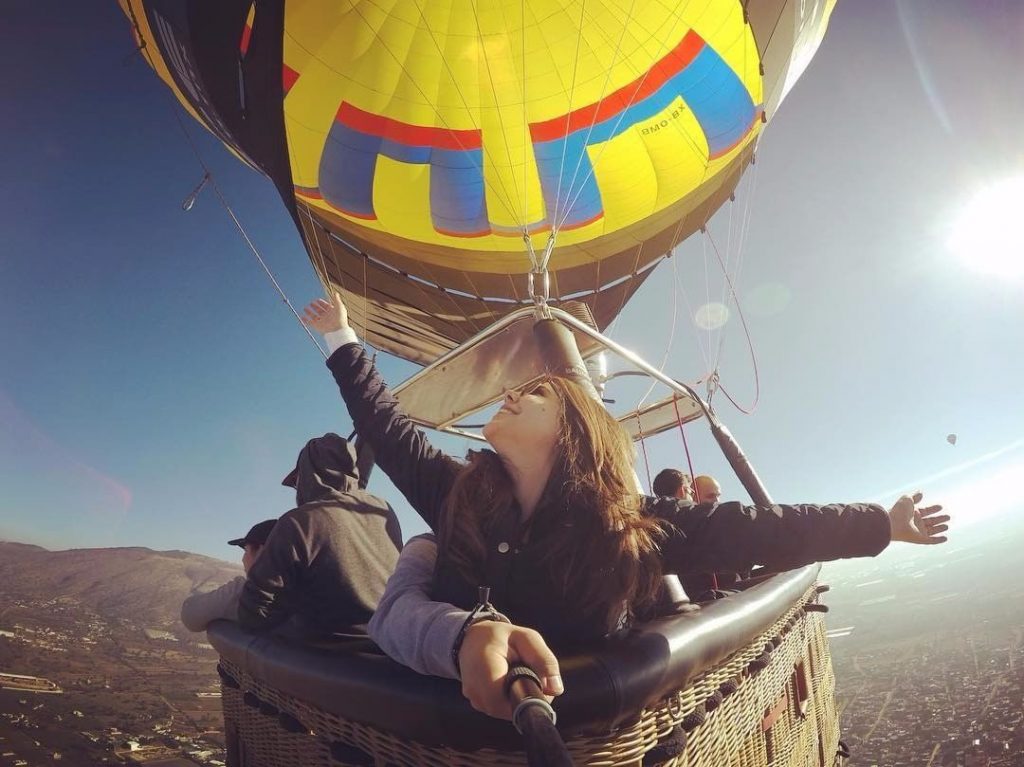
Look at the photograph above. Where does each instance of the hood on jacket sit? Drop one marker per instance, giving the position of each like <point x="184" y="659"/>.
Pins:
<point x="326" y="467"/>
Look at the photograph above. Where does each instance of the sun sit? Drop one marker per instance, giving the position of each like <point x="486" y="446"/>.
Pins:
<point x="988" y="235"/>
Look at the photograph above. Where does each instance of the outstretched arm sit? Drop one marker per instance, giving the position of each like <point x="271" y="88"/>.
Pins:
<point x="199" y="610"/>
<point x="910" y="524"/>
<point x="421" y="472"/>
<point x="729" y="536"/>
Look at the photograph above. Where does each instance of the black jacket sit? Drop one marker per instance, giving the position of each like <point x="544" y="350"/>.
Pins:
<point x="326" y="562"/>
<point x="700" y="538"/>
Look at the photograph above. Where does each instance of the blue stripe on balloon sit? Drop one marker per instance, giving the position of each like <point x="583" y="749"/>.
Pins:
<point x="347" y="167"/>
<point x="710" y="88"/>
<point x="458" y="201"/>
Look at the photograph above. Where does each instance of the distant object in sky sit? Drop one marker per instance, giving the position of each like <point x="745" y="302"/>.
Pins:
<point x="951" y="439"/>
<point x="987" y="235"/>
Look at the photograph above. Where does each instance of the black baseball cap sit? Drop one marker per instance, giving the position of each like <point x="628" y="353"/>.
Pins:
<point x="257" y="534"/>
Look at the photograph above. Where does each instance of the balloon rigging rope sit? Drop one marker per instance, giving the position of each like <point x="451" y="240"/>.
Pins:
<point x="325" y="281"/>
<point x="707" y="286"/>
<point x="252" y="247"/>
<point x="610" y="330"/>
<point x="745" y="221"/>
<point x="426" y="100"/>
<point x="622" y="114"/>
<point x="741" y="249"/>
<point x="568" y="114"/>
<point x="689" y="308"/>
<point x="604" y="90"/>
<point x="523" y="223"/>
<point x="428" y="298"/>
<point x="672" y="331"/>
<point x="727" y="287"/>
<point x="323" y="272"/>
<point x="643" y="448"/>
<point x="748" y="410"/>
<point x="365" y="334"/>
<point x="728" y="256"/>
<point x="220" y="195"/>
<point x="668" y="346"/>
<point x="366" y="315"/>
<point x="526" y="124"/>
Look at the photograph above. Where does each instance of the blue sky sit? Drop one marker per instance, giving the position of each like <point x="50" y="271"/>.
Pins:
<point x="154" y="390"/>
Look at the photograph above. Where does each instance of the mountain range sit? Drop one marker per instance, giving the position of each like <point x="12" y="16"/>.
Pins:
<point x="134" y="583"/>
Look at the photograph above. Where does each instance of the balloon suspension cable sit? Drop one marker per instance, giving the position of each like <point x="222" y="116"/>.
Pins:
<point x="671" y="336"/>
<point x="643" y="450"/>
<point x="208" y="178"/>
<point x="682" y="433"/>
<point x="714" y="377"/>
<point x="693" y="474"/>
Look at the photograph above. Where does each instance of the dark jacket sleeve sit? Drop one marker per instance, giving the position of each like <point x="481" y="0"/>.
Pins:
<point x="421" y="472"/>
<point x="264" y="602"/>
<point x="730" y="536"/>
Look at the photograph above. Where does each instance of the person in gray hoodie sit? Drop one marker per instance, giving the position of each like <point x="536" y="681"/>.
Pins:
<point x="324" y="565"/>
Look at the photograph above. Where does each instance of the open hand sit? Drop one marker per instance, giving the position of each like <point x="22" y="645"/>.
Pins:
<point x="911" y="524"/>
<point x="488" y="650"/>
<point x="326" y="316"/>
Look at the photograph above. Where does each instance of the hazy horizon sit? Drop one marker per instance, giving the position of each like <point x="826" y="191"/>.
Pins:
<point x="154" y="389"/>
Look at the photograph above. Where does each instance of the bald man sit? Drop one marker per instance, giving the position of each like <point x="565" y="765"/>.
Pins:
<point x="702" y="587"/>
<point x="707" y="488"/>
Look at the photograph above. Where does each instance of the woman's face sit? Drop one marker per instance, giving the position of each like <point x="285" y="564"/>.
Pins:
<point x="528" y="420"/>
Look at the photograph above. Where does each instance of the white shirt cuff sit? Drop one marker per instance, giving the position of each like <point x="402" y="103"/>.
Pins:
<point x="338" y="338"/>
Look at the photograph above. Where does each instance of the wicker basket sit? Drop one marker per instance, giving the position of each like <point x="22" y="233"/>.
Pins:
<point x="770" y="704"/>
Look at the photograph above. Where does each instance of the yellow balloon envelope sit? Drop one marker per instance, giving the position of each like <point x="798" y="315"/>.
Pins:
<point x="432" y="151"/>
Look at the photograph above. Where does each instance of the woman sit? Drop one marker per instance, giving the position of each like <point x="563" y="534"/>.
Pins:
<point x="550" y="522"/>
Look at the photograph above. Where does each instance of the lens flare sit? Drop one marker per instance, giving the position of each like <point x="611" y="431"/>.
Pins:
<point x="988" y="235"/>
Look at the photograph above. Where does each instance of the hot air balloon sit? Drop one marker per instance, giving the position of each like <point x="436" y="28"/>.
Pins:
<point x="951" y="439"/>
<point x="450" y="166"/>
<point x="433" y="154"/>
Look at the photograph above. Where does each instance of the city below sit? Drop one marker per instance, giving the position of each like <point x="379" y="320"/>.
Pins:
<point x="928" y="649"/>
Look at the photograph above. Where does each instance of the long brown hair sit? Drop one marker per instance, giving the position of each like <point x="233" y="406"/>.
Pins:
<point x="602" y="549"/>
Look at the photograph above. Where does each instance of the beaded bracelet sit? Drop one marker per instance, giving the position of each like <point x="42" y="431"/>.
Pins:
<point x="482" y="611"/>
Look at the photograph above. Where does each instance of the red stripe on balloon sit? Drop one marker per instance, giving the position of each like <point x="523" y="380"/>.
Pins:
<point x="664" y="70"/>
<point x="288" y="77"/>
<point x="406" y="133"/>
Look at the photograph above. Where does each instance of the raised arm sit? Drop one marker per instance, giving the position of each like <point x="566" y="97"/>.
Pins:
<point x="421" y="472"/>
<point x="730" y="536"/>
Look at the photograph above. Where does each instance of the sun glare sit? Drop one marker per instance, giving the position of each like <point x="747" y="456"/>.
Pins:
<point x="981" y="498"/>
<point x="988" y="235"/>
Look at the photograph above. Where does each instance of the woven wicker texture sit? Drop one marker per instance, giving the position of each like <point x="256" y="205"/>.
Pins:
<point x="749" y="711"/>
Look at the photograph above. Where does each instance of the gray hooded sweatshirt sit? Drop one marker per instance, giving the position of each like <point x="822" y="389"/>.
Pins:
<point x="326" y="562"/>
